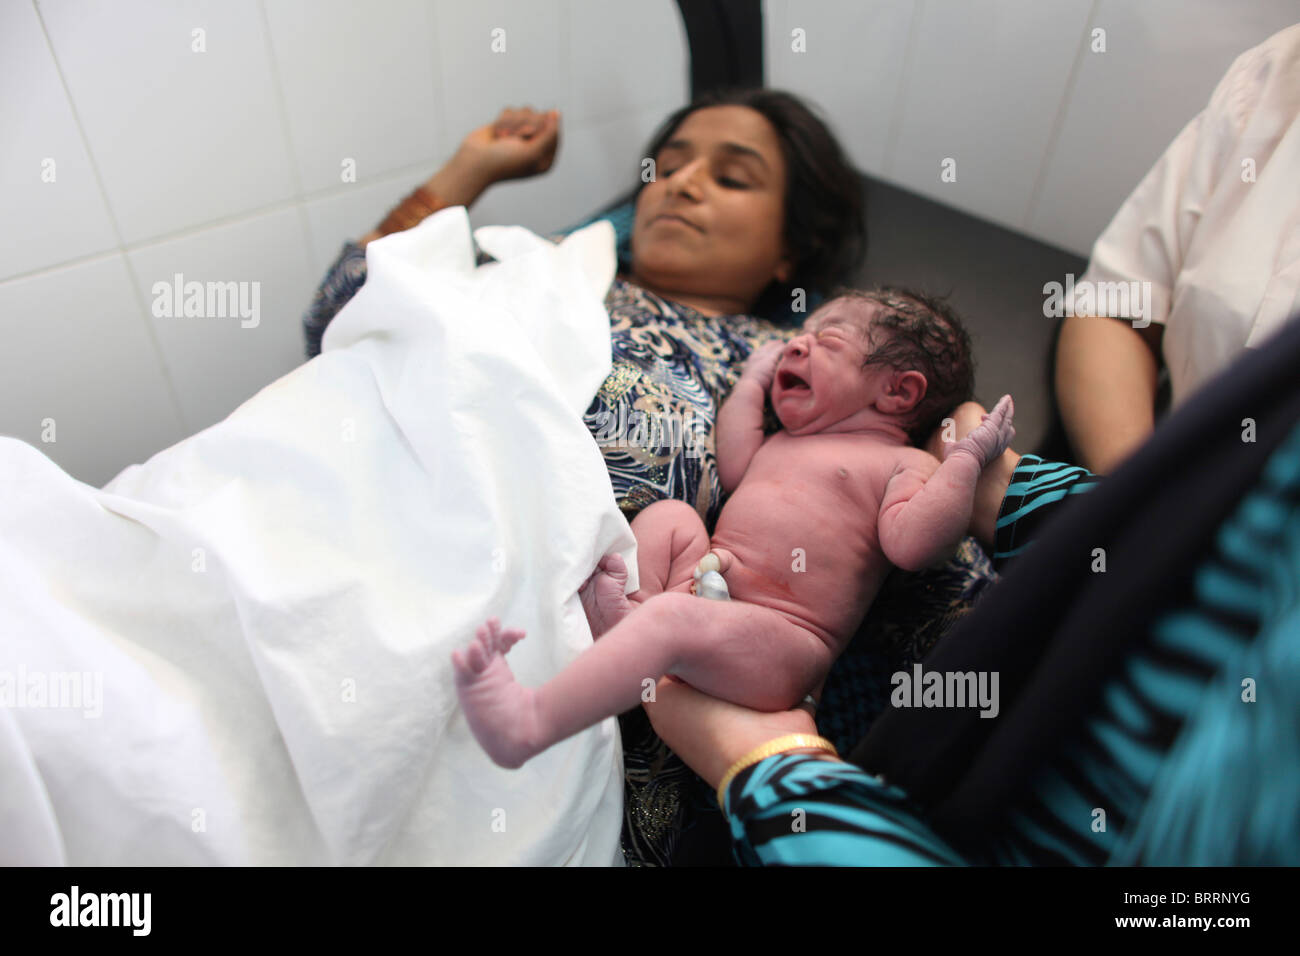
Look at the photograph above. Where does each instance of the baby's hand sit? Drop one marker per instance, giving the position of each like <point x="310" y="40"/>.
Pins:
<point x="990" y="438"/>
<point x="762" y="363"/>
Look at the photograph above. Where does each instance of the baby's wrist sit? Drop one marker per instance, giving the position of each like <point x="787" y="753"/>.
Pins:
<point x="965" y="451"/>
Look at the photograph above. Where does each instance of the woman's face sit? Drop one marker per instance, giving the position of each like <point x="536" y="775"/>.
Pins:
<point x="709" y="228"/>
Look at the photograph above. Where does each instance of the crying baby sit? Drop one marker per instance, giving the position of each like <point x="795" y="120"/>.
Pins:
<point x="819" y="513"/>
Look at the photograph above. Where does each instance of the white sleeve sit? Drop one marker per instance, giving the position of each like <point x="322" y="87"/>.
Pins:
<point x="1148" y="238"/>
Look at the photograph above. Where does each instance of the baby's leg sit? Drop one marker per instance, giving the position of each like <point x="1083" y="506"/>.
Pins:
<point x="670" y="540"/>
<point x="740" y="652"/>
<point x="745" y="653"/>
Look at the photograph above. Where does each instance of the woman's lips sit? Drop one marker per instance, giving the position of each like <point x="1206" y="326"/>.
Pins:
<point x="670" y="217"/>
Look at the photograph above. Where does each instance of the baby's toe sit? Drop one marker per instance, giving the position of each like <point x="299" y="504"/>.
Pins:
<point x="477" y="657"/>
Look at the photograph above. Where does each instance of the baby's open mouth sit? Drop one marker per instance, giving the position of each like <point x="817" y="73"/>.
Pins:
<point x="790" y="381"/>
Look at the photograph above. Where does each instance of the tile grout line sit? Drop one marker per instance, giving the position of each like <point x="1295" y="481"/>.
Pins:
<point x="440" y="104"/>
<point x="121" y="250"/>
<point x="334" y="192"/>
<point x="1053" y="138"/>
<point x="299" y="201"/>
<point x="905" y="75"/>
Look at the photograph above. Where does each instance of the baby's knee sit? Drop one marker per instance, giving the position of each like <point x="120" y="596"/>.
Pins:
<point x="669" y="511"/>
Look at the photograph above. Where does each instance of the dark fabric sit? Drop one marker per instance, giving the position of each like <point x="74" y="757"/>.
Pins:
<point x="1054" y="629"/>
<point x="726" y="43"/>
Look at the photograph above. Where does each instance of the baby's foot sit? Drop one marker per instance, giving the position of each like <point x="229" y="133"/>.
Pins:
<point x="602" y="595"/>
<point x="500" y="710"/>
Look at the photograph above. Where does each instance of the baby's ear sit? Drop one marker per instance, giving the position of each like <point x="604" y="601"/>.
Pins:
<point x="903" y="392"/>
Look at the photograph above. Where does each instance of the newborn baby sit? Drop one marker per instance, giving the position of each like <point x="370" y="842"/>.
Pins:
<point x="819" y="512"/>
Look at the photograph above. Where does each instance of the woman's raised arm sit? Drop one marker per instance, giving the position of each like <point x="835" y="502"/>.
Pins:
<point x="518" y="144"/>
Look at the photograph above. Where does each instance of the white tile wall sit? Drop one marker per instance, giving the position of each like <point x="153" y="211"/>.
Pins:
<point x="180" y="138"/>
<point x="1129" y="102"/>
<point x="613" y="70"/>
<point x="78" y="350"/>
<point x="849" y="62"/>
<point x="217" y="363"/>
<point x="359" y="84"/>
<point x="60" y="216"/>
<point x="528" y="66"/>
<point x="985" y="82"/>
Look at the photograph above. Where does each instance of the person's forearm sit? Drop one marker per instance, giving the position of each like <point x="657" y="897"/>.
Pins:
<point x="457" y="183"/>
<point x="739" y="431"/>
<point x="990" y="491"/>
<point x="709" y="734"/>
<point x="1106" y="381"/>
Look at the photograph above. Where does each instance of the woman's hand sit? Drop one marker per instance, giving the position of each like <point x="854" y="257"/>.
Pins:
<point x="712" y="734"/>
<point x="518" y="144"/>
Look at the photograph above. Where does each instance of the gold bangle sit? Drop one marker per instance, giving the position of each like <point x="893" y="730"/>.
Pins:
<point x="771" y="749"/>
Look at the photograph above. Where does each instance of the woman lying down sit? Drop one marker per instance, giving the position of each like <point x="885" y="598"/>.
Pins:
<point x="839" y="488"/>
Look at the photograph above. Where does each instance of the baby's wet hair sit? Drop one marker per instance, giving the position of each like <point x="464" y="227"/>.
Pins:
<point x="914" y="330"/>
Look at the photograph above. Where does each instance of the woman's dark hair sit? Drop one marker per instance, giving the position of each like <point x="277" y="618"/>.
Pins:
<point x="825" y="211"/>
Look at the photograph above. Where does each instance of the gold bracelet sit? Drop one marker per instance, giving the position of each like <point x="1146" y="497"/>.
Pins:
<point x="771" y="749"/>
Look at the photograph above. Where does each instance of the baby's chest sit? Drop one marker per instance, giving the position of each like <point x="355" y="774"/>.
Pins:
<point x="836" y="470"/>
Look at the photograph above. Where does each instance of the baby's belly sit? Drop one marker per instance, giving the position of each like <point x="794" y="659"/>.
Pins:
<point x="822" y="586"/>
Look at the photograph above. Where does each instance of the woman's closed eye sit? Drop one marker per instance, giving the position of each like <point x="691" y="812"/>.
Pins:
<point x="726" y="181"/>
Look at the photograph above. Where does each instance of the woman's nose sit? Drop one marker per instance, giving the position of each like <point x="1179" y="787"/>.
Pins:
<point x="687" y="178"/>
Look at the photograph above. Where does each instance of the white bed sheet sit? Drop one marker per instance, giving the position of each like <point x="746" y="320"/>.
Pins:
<point x="270" y="605"/>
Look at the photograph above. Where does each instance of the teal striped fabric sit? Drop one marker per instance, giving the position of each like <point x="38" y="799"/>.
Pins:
<point x="1035" y="486"/>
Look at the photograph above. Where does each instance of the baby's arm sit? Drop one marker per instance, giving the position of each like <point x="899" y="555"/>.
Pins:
<point x="926" y="510"/>
<point x="739" y="431"/>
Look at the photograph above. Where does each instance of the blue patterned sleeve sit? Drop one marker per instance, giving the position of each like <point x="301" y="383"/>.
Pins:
<point x="802" y="810"/>
<point x="345" y="277"/>
<point x="1039" y="488"/>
